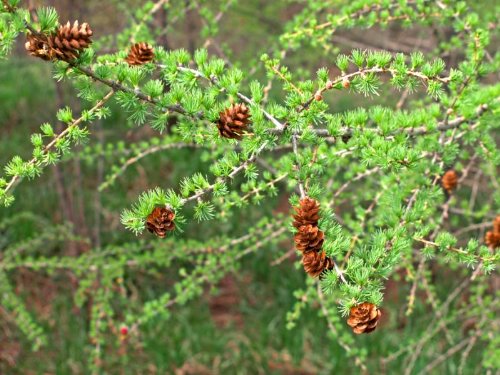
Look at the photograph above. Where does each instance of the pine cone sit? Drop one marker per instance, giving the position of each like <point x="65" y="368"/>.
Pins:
<point x="316" y="262"/>
<point x="233" y="121"/>
<point x="309" y="238"/>
<point x="449" y="181"/>
<point x="70" y="40"/>
<point x="140" y="54"/>
<point x="492" y="239"/>
<point x="496" y="225"/>
<point x="38" y="46"/>
<point x="364" y="317"/>
<point x="160" y="221"/>
<point x="307" y="213"/>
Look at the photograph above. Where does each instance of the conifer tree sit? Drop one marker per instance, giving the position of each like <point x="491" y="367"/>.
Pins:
<point x="379" y="191"/>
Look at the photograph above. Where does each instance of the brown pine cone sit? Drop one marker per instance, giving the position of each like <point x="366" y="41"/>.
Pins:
<point x="233" y="121"/>
<point x="492" y="239"/>
<point x="160" y="221"/>
<point x="70" y="40"/>
<point x="496" y="224"/>
<point x="307" y="213"/>
<point x="309" y="238"/>
<point x="140" y="54"/>
<point x="38" y="46"/>
<point x="449" y="181"/>
<point x="364" y="317"/>
<point x="316" y="262"/>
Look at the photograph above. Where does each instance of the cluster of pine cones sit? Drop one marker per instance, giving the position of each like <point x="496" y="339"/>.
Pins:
<point x="492" y="237"/>
<point x="70" y="40"/>
<point x="65" y="44"/>
<point x="309" y="238"/>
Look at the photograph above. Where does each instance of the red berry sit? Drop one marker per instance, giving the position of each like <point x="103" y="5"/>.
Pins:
<point x="124" y="330"/>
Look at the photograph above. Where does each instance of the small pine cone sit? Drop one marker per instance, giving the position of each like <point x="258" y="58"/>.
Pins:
<point x="307" y="213"/>
<point x="140" y="54"/>
<point x="160" y="221"/>
<point x="316" y="262"/>
<point x="37" y="45"/>
<point x="449" y="181"/>
<point x="309" y="238"/>
<point x="492" y="239"/>
<point x="364" y="317"/>
<point x="233" y="121"/>
<point x="496" y="225"/>
<point x="70" y="40"/>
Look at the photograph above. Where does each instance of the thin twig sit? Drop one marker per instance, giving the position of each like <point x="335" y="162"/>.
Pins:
<point x="451" y="248"/>
<point x="233" y="173"/>
<point x="360" y="176"/>
<point x="296" y="152"/>
<point x="421" y="130"/>
<point x="283" y="257"/>
<point x="472" y="227"/>
<point x="331" y="327"/>
<point x="15" y="179"/>
<point x="278" y="125"/>
<point x="141" y="155"/>
<point x="454" y="349"/>
<point x="443" y="309"/>
<point x="205" y="278"/>
<point x="258" y="190"/>
<point x="435" y="308"/>
<point x="364" y="71"/>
